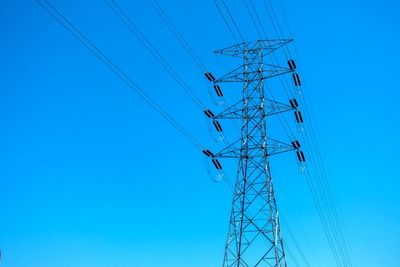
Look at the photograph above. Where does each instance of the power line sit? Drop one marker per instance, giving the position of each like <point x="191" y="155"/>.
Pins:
<point x="177" y="34"/>
<point x="281" y="118"/>
<point x="327" y="207"/>
<point x="303" y="257"/>
<point x="49" y="8"/>
<point x="225" y="21"/>
<point x="329" y="215"/>
<point x="188" y="48"/>
<point x="232" y="19"/>
<point x="154" y="52"/>
<point x="210" y="44"/>
<point x="322" y="165"/>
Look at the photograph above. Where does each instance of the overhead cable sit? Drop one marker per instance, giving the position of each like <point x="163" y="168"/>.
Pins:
<point x="49" y="8"/>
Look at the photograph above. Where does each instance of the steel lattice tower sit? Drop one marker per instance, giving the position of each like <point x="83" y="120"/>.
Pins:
<point x="254" y="236"/>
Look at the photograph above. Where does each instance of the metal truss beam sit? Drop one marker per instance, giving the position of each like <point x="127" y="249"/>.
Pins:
<point x="241" y="49"/>
<point x="254" y="237"/>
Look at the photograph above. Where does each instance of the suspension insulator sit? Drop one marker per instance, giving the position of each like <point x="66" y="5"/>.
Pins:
<point x="208" y="153"/>
<point x="296" y="79"/>
<point x="217" y="126"/>
<point x="209" y="76"/>
<point x="296" y="144"/>
<point x="293" y="103"/>
<point x="218" y="90"/>
<point x="209" y="113"/>
<point x="299" y="117"/>
<point x="217" y="164"/>
<point x="292" y="64"/>
<point x="300" y="156"/>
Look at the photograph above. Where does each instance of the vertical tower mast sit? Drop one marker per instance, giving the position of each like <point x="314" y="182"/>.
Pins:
<point x="254" y="237"/>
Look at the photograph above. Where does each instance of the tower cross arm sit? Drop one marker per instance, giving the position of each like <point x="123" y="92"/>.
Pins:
<point x="271" y="147"/>
<point x="268" y="71"/>
<point x="242" y="49"/>
<point x="271" y="107"/>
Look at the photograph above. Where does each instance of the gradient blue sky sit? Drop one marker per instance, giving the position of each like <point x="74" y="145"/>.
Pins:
<point x="91" y="176"/>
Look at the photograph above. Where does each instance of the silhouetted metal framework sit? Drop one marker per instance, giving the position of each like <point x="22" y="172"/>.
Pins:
<point x="254" y="236"/>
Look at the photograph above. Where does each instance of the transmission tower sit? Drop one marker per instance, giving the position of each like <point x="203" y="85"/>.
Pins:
<point x="254" y="235"/>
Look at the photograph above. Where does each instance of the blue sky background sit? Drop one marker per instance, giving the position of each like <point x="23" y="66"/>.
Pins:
<point x="92" y="176"/>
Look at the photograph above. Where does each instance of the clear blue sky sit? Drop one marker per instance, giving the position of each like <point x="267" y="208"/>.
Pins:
<point x="91" y="176"/>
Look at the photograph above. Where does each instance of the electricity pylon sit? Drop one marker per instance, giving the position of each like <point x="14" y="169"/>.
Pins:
<point x="254" y="235"/>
